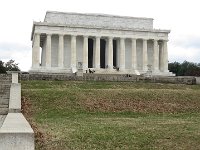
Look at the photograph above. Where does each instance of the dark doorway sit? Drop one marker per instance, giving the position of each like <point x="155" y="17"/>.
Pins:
<point x="115" y="53"/>
<point x="102" y="53"/>
<point x="90" y="52"/>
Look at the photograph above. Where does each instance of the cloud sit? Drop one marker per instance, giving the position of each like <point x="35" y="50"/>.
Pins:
<point x="187" y="42"/>
<point x="184" y="47"/>
<point x="18" y="52"/>
<point x="6" y="46"/>
<point x="180" y="54"/>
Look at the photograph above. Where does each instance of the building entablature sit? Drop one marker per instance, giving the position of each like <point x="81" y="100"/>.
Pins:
<point x="46" y="28"/>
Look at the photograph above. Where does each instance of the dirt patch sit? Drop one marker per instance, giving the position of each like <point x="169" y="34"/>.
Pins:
<point x="120" y="105"/>
<point x="40" y="137"/>
<point x="26" y="106"/>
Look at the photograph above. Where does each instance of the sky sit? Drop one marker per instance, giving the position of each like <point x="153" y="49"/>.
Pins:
<point x="182" y="17"/>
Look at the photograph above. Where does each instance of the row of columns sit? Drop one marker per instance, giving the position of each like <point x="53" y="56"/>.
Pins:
<point x="158" y="59"/>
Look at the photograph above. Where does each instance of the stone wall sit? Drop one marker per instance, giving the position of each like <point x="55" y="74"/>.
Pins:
<point x="110" y="77"/>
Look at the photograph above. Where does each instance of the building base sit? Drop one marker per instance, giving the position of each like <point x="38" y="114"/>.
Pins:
<point x="56" y="70"/>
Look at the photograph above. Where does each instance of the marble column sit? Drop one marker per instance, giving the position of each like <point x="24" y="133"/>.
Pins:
<point x="48" y="51"/>
<point x="161" y="58"/>
<point x="155" y="56"/>
<point x="134" y="54"/>
<point x="165" y="56"/>
<point x="36" y="51"/>
<point x="110" y="53"/>
<point x="60" y="51"/>
<point x="97" y="53"/>
<point x="73" y="52"/>
<point x="94" y="51"/>
<point x="144" y="54"/>
<point x="122" y="54"/>
<point x="85" y="52"/>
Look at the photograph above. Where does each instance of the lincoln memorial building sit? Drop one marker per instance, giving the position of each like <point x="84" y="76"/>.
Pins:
<point x="103" y="44"/>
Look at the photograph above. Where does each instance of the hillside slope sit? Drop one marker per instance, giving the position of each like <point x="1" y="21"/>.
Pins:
<point x="112" y="115"/>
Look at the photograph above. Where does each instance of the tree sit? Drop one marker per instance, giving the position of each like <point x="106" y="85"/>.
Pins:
<point x="8" y="66"/>
<point x="174" y="67"/>
<point x="2" y="67"/>
<point x="185" y="69"/>
<point x="12" y="66"/>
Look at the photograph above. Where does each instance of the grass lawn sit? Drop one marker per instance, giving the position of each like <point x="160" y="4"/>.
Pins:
<point x="88" y="115"/>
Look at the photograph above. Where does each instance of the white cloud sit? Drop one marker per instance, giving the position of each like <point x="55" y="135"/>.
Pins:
<point x="185" y="47"/>
<point x="21" y="53"/>
<point x="23" y="59"/>
<point x="180" y="54"/>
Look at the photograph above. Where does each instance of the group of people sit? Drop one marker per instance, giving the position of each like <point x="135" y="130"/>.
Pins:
<point x="90" y="71"/>
<point x="93" y="71"/>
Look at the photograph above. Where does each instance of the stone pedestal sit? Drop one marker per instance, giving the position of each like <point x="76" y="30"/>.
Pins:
<point x="79" y="73"/>
<point x="14" y="76"/>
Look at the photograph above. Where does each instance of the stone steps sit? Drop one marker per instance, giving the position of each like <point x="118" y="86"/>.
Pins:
<point x="4" y="102"/>
<point x="4" y="95"/>
<point x="3" y="111"/>
<point x="5" y="84"/>
<point x="4" y="81"/>
<point x="15" y="131"/>
<point x="3" y="105"/>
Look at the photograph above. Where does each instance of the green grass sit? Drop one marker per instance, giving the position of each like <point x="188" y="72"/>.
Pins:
<point x="83" y="115"/>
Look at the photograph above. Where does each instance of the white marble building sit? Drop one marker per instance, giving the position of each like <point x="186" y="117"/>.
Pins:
<point x="66" y="42"/>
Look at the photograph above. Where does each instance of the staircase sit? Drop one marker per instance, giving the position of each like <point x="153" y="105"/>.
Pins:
<point x="15" y="131"/>
<point x="5" y="84"/>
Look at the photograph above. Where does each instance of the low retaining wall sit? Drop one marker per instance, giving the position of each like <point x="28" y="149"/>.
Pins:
<point x="110" y="77"/>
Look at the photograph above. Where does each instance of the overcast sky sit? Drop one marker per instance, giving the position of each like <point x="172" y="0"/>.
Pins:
<point x="182" y="17"/>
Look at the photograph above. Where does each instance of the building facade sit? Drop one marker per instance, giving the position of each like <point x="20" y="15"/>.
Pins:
<point x="106" y="44"/>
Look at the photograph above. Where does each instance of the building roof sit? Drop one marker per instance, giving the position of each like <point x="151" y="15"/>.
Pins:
<point x="98" y="20"/>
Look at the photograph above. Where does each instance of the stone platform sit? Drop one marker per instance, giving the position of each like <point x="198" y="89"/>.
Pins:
<point x="109" y="77"/>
